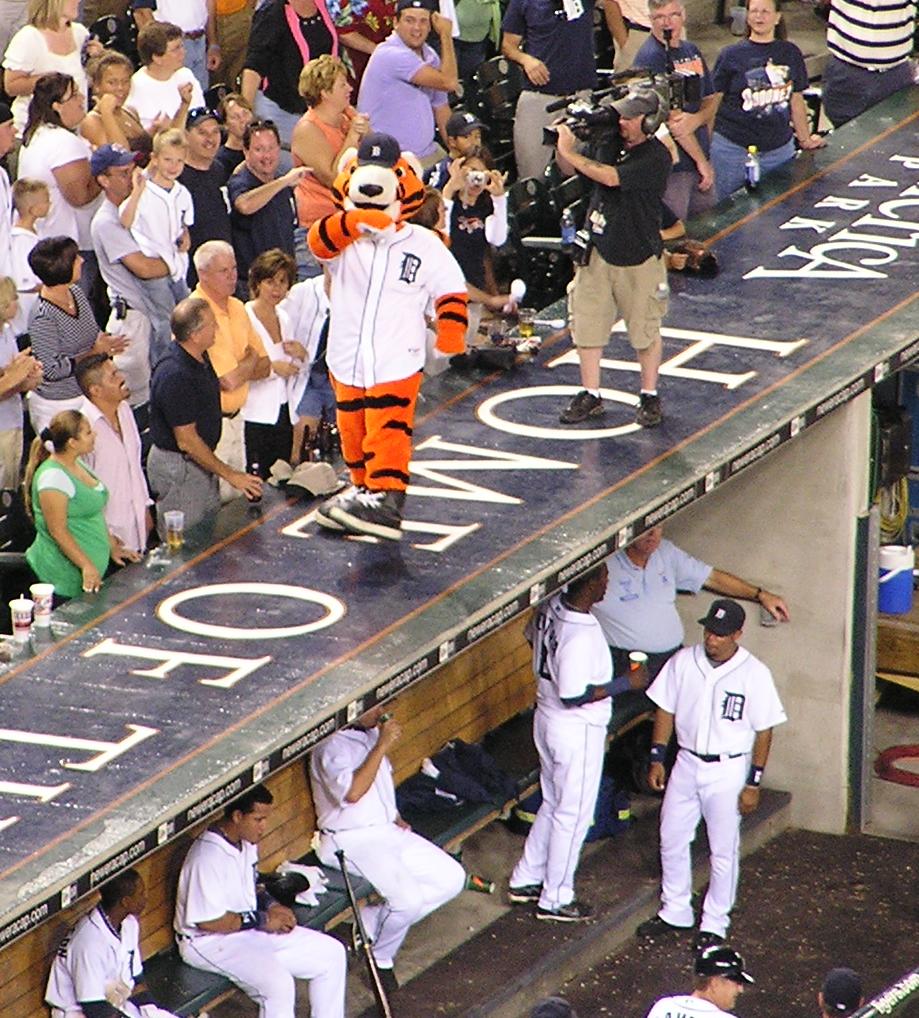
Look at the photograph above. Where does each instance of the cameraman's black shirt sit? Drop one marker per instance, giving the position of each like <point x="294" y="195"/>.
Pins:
<point x="625" y="221"/>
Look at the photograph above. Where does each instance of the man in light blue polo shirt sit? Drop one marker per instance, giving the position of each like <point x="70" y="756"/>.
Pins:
<point x="638" y="610"/>
<point x="404" y="88"/>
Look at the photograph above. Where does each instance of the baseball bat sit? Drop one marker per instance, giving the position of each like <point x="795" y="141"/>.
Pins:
<point x="376" y="984"/>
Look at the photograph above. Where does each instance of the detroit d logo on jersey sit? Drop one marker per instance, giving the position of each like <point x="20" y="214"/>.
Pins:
<point x="409" y="268"/>
<point x="732" y="706"/>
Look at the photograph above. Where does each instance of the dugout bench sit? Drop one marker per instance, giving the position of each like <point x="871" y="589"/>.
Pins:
<point x="186" y="991"/>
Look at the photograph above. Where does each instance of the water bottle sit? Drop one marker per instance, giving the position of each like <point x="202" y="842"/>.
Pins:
<point x="256" y="471"/>
<point x="751" y="168"/>
<point x="569" y="229"/>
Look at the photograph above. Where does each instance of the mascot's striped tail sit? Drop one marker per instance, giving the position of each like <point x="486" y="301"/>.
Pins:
<point x="452" y="320"/>
<point x="329" y="236"/>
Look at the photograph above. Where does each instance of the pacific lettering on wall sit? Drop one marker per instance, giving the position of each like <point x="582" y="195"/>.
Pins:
<point x="857" y="250"/>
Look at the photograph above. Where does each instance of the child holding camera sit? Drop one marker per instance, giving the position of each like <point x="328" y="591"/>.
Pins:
<point x="476" y="213"/>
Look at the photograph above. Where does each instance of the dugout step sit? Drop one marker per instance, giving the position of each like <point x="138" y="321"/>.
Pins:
<point x="619" y="876"/>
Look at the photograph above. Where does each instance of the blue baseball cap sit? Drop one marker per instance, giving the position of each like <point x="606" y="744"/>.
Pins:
<point x="107" y="156"/>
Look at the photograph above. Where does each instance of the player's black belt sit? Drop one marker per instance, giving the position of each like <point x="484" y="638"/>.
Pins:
<point x="712" y="757"/>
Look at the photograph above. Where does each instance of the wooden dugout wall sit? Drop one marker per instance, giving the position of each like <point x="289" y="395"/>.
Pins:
<point x="474" y="693"/>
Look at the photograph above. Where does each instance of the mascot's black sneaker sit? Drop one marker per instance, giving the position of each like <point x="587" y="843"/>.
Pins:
<point x="344" y="498"/>
<point x="378" y="513"/>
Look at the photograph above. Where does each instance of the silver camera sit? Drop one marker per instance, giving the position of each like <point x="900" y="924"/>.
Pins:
<point x="476" y="178"/>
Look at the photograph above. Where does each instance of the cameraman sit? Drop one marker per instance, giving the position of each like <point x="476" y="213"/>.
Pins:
<point x="624" y="273"/>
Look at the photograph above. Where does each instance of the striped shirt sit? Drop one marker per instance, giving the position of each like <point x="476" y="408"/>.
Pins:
<point x="874" y="34"/>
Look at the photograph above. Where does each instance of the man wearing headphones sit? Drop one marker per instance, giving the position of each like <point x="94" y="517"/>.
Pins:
<point x="624" y="274"/>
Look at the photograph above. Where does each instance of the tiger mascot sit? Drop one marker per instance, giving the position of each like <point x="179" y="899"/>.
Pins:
<point x="385" y="273"/>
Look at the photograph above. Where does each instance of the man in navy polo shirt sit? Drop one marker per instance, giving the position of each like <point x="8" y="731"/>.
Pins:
<point x="185" y="422"/>
<point x="690" y="188"/>
<point x="263" y="213"/>
<point x="558" y="60"/>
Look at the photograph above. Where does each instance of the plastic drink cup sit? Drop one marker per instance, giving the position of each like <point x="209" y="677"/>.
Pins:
<point x="175" y="529"/>
<point x="43" y="597"/>
<point x="637" y="658"/>
<point x="21" y="612"/>
<point x="525" y="320"/>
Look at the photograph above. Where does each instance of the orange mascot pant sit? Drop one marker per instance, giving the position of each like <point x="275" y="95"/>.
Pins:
<point x="375" y="426"/>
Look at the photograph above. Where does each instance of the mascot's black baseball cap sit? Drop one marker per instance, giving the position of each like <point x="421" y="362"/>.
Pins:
<point x="724" y="617"/>
<point x="719" y="960"/>
<point x="842" y="992"/>
<point x="381" y="149"/>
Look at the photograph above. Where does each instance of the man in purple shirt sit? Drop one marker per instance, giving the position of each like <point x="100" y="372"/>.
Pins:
<point x="404" y="88"/>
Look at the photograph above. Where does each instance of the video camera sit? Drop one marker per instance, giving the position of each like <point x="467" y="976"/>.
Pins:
<point x="593" y="117"/>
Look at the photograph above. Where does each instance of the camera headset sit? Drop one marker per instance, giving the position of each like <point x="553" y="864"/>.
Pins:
<point x="650" y="122"/>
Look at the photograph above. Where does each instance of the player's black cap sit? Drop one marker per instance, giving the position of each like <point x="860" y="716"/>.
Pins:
<point x="842" y="992"/>
<point x="379" y="148"/>
<point x="724" y="617"/>
<point x="720" y="960"/>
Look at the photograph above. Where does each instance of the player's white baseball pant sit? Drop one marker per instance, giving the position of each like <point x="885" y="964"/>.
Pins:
<point x="265" y="965"/>
<point x="128" y="1008"/>
<point x="570" y="766"/>
<point x="699" y="790"/>
<point x="412" y="874"/>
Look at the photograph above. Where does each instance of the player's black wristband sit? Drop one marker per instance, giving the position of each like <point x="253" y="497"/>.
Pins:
<point x="658" y="751"/>
<point x="262" y="919"/>
<point x="755" y="777"/>
<point x="248" y="920"/>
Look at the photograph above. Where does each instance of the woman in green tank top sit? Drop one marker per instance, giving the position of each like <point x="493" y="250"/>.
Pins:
<point x="72" y="545"/>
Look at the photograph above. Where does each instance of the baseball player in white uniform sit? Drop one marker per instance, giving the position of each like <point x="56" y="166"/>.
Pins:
<point x="638" y="611"/>
<point x="573" y="708"/>
<point x="98" y="966"/>
<point x="723" y="703"/>
<point x="719" y="980"/>
<point x="223" y="925"/>
<point x="355" y="801"/>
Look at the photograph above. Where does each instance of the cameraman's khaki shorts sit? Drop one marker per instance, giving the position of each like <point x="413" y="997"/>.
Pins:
<point x="601" y="294"/>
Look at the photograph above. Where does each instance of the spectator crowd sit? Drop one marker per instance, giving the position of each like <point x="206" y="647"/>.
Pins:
<point x="164" y="166"/>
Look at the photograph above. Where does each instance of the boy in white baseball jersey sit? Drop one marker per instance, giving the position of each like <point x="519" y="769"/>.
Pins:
<point x="718" y="982"/>
<point x="573" y="708"/>
<point x="224" y="924"/>
<point x="98" y="966"/>
<point x="723" y="704"/>
<point x="159" y="209"/>
<point x="355" y="801"/>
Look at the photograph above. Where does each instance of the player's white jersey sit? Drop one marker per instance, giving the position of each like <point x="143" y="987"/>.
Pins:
<point x="93" y="960"/>
<point x="381" y="286"/>
<point x="216" y="878"/>
<point x="718" y="709"/>
<point x="570" y="654"/>
<point x="686" y="1007"/>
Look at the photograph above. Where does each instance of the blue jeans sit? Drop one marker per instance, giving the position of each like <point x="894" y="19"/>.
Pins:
<point x="728" y="161"/>
<point x="196" y="60"/>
